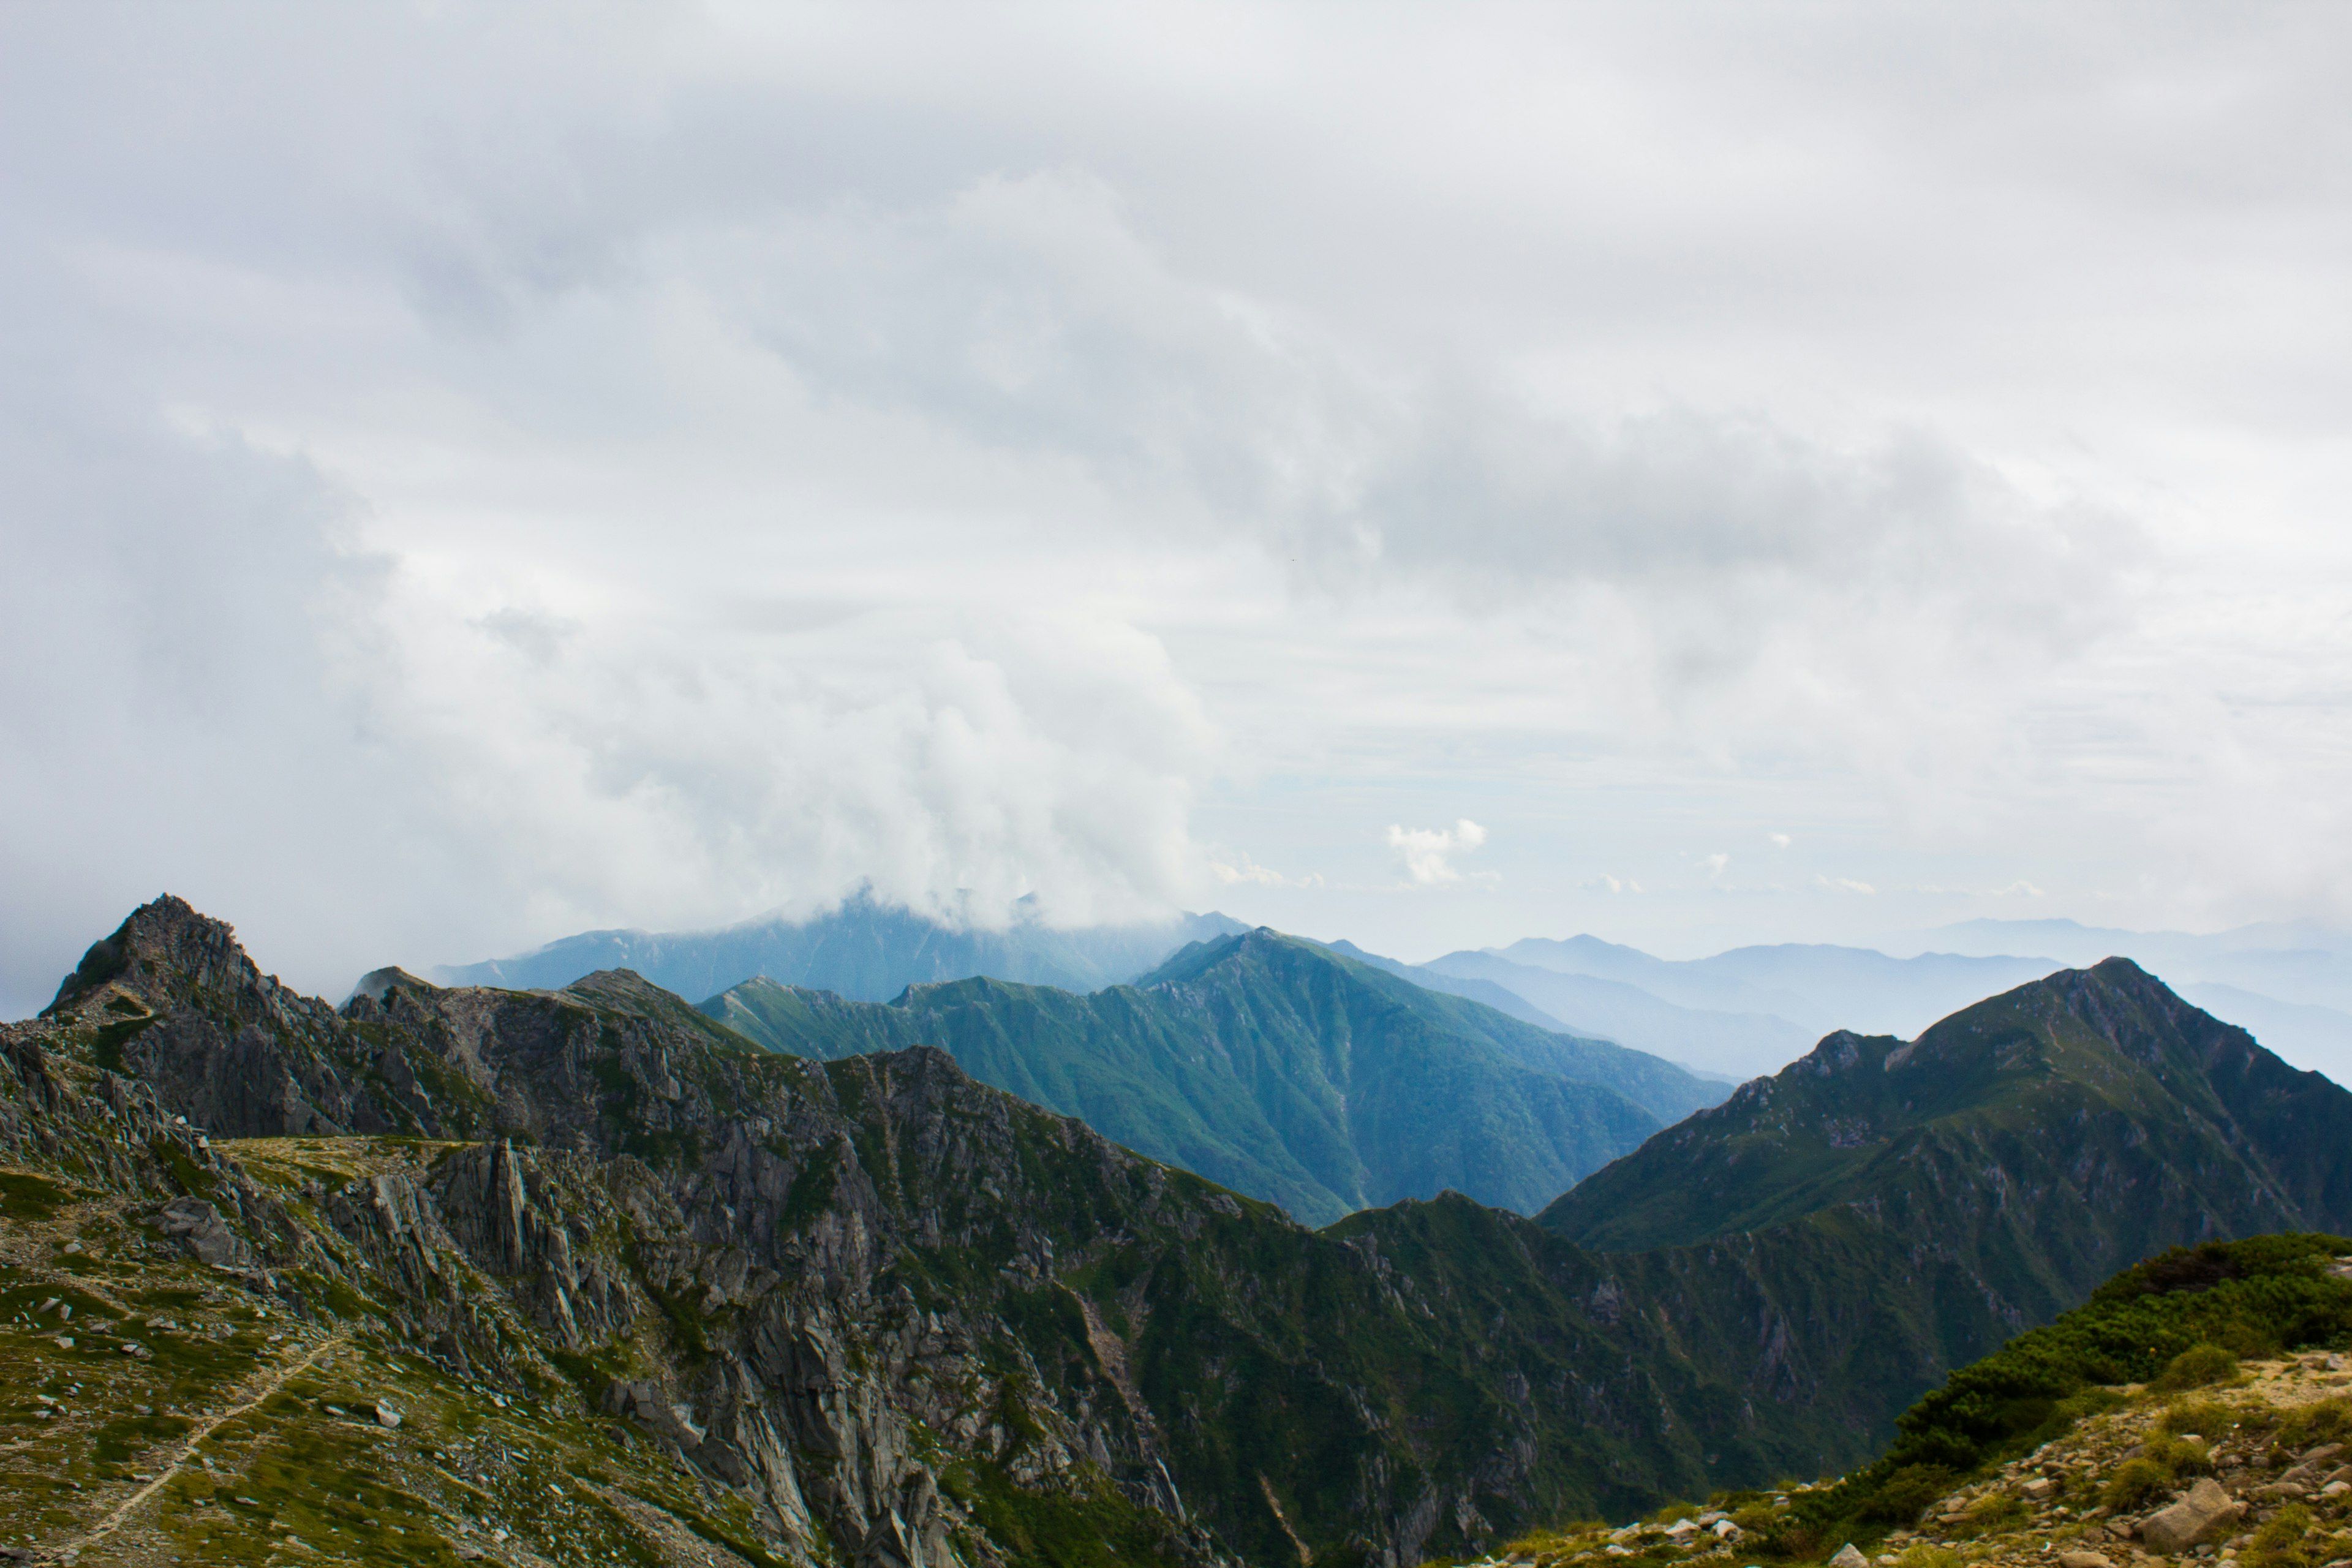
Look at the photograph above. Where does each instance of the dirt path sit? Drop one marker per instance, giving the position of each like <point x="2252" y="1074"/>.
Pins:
<point x="186" y="1447"/>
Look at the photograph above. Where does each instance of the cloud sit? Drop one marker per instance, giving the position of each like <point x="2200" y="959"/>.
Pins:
<point x="1429" y="852"/>
<point x="465" y="481"/>
<point x="1844" y="885"/>
<point x="1243" y="871"/>
<point x="1777" y="841"/>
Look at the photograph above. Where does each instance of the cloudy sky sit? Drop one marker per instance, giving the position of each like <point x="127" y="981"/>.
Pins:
<point x="1430" y="475"/>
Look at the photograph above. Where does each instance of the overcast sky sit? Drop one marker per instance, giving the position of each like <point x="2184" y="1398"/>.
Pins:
<point x="1428" y="475"/>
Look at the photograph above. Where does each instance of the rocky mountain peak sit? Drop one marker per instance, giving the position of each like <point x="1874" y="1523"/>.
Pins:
<point x="164" y="952"/>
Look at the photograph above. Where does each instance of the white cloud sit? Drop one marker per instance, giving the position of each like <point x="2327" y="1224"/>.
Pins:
<point x="1429" y="852"/>
<point x="1243" y="871"/>
<point x="466" y="480"/>
<point x="1844" y="885"/>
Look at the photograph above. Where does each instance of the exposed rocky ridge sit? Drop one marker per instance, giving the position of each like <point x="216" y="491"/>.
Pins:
<point x="898" y="1316"/>
<point x="1279" y="1067"/>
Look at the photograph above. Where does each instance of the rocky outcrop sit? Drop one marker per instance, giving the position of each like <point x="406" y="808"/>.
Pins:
<point x="2203" y="1513"/>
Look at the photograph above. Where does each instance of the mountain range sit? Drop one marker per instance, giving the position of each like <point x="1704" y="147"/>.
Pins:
<point x="584" y="1274"/>
<point x="1277" y="1067"/>
<point x="1734" y="1014"/>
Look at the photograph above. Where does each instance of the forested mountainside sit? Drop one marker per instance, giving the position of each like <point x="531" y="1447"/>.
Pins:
<point x="631" y="1287"/>
<point x="865" y="950"/>
<point x="1278" y="1067"/>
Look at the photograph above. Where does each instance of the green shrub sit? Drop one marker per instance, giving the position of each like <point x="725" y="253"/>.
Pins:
<point x="2323" y="1421"/>
<point x="2135" y="1484"/>
<point x="1907" y="1493"/>
<point x="1999" y="1512"/>
<point x="1923" y="1555"/>
<point x="2278" y="1543"/>
<point x="2209" y="1418"/>
<point x="2199" y="1367"/>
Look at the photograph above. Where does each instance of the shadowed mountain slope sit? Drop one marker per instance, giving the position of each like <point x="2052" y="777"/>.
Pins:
<point x="1278" y="1067"/>
<point x="2043" y="1139"/>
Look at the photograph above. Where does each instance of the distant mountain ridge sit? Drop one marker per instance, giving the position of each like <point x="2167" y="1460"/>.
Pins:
<point x="867" y="950"/>
<point x="1735" y="1044"/>
<point x="1814" y="985"/>
<point x="1277" y="1067"/>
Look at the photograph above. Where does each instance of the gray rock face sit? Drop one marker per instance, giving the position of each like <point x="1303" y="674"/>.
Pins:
<point x="2204" y="1511"/>
<point x="199" y="1227"/>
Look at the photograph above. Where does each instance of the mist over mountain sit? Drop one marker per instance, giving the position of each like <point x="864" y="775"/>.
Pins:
<point x="867" y="949"/>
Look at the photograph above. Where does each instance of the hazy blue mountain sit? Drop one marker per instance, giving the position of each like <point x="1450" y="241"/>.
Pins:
<point x="1278" y="1067"/>
<point x="2298" y="961"/>
<point x="1737" y="1044"/>
<point x="865" y="950"/>
<point x="1499" y="998"/>
<point x="1816" y="986"/>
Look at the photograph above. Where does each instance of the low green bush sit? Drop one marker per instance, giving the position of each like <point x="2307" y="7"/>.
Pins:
<point x="2135" y="1484"/>
<point x="2199" y="1367"/>
<point x="2207" y="1418"/>
<point x="2281" y="1541"/>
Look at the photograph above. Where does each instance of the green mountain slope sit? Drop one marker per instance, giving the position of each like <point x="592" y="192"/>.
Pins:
<point x="1277" y="1067"/>
<point x="1988" y="1176"/>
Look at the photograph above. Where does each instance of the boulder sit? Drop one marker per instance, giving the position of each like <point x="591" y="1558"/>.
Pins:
<point x="2080" y="1559"/>
<point x="2204" y="1510"/>
<point x="199" y="1227"/>
<point x="1849" y="1556"/>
